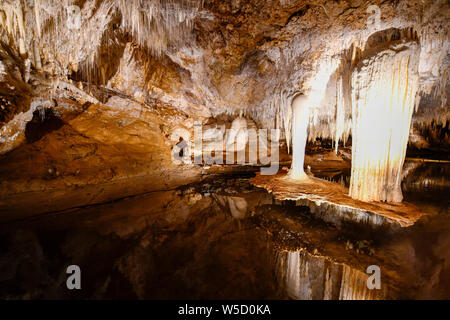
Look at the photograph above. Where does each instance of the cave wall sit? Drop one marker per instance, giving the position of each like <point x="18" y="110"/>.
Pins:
<point x="109" y="92"/>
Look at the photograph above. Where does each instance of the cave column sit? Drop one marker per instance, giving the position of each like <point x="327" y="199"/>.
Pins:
<point x="300" y="110"/>
<point x="384" y="87"/>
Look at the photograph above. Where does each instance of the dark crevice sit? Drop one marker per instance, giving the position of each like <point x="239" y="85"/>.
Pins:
<point x="299" y="13"/>
<point x="44" y="121"/>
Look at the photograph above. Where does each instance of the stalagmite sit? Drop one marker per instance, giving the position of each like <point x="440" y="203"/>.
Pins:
<point x="383" y="98"/>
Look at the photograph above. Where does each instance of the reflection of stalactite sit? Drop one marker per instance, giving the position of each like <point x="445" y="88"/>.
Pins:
<point x="383" y="100"/>
<point x="306" y="277"/>
<point x="238" y="207"/>
<point x="353" y="285"/>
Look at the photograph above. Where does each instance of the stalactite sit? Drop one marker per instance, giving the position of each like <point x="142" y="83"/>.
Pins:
<point x="12" y="21"/>
<point x="21" y="26"/>
<point x="37" y="13"/>
<point x="156" y="24"/>
<point x="277" y="114"/>
<point x="27" y="70"/>
<point x="340" y="113"/>
<point x="37" y="57"/>
<point x="383" y="98"/>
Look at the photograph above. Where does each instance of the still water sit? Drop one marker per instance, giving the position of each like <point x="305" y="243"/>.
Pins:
<point x="225" y="239"/>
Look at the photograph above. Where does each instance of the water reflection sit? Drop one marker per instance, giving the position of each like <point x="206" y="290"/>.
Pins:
<point x="186" y="243"/>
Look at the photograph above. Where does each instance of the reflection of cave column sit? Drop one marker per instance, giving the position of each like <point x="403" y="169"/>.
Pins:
<point x="300" y="109"/>
<point x="384" y="87"/>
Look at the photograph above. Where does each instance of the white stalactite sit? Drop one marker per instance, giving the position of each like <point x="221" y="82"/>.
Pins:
<point x="12" y="21"/>
<point x="340" y="113"/>
<point x="37" y="14"/>
<point x="155" y="24"/>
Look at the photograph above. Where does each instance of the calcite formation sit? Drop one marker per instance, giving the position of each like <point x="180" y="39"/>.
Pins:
<point x="300" y="107"/>
<point x="383" y="100"/>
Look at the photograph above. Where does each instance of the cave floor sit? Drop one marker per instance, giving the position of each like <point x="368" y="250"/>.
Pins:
<point x="318" y="193"/>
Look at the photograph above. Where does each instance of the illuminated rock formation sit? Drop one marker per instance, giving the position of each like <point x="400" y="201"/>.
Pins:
<point x="237" y="136"/>
<point x="300" y="107"/>
<point x="383" y="100"/>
